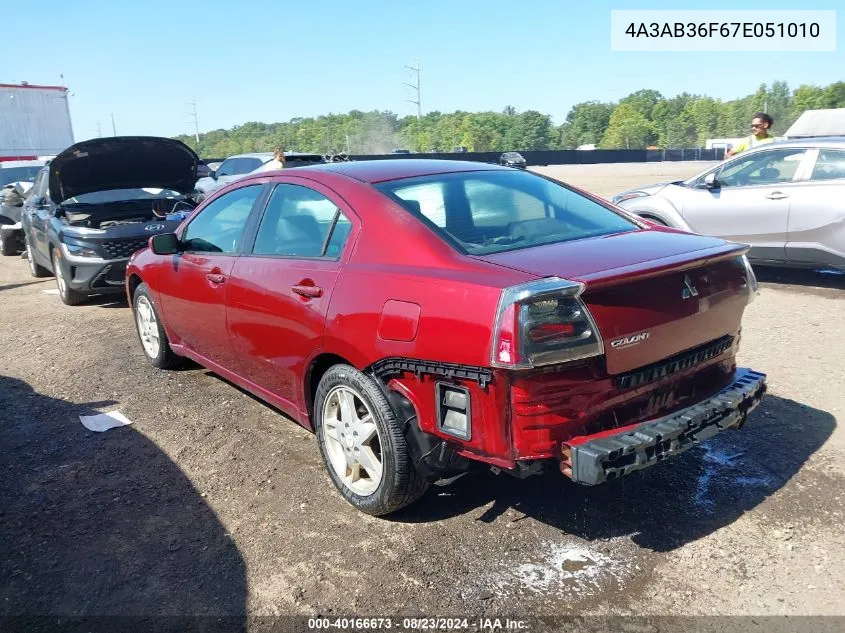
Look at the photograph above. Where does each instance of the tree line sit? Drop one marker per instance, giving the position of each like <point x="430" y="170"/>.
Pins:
<point x="642" y="119"/>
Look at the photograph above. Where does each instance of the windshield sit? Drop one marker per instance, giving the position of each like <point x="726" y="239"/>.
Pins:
<point x="121" y="195"/>
<point x="485" y="212"/>
<point x="18" y="174"/>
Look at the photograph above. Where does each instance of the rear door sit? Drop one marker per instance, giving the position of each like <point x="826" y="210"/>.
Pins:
<point x="817" y="212"/>
<point x="192" y="290"/>
<point x="279" y="292"/>
<point x="751" y="205"/>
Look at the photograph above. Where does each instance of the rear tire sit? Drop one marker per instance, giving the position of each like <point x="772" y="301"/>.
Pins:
<point x="68" y="295"/>
<point x="150" y="331"/>
<point x="35" y="269"/>
<point x="348" y="408"/>
<point x="8" y="244"/>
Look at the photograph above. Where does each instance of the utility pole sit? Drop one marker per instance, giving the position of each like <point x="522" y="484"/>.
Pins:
<point x="193" y="115"/>
<point x="99" y="130"/>
<point x="113" y="130"/>
<point x="415" y="86"/>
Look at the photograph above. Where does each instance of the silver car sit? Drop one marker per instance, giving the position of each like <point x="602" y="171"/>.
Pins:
<point x="786" y="199"/>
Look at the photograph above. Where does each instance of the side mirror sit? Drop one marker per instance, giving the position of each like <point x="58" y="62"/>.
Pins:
<point x="710" y="181"/>
<point x="213" y="174"/>
<point x="164" y="244"/>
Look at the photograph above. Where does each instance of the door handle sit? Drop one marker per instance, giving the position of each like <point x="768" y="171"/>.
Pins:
<point x="216" y="278"/>
<point x="777" y="195"/>
<point x="311" y="292"/>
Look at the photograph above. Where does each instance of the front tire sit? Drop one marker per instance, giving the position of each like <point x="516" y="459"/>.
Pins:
<point x="150" y="331"/>
<point x="362" y="443"/>
<point x="68" y="295"/>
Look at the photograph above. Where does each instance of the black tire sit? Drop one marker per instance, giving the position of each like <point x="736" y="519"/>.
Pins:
<point x="401" y="484"/>
<point x="166" y="358"/>
<point x="68" y="295"/>
<point x="8" y="244"/>
<point x="35" y="269"/>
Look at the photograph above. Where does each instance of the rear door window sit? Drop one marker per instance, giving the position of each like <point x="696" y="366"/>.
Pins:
<point x="300" y="222"/>
<point x="830" y="165"/>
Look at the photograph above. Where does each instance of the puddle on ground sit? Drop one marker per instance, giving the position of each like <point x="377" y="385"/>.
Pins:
<point x="558" y="571"/>
<point x="724" y="464"/>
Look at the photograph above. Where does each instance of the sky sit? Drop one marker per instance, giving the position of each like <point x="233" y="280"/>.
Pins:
<point x="145" y="63"/>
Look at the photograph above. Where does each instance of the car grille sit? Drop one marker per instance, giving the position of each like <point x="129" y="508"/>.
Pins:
<point x="673" y="365"/>
<point x="116" y="249"/>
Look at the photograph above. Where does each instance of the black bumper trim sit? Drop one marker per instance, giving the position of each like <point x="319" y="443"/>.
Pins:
<point x="388" y="367"/>
<point x="600" y="460"/>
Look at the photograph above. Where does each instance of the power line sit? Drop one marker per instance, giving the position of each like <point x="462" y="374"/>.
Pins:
<point x="415" y="86"/>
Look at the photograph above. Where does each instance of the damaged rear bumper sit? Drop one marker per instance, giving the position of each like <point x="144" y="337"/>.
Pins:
<point x="595" y="461"/>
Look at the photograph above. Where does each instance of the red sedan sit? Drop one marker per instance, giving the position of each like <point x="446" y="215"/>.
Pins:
<point x="424" y="317"/>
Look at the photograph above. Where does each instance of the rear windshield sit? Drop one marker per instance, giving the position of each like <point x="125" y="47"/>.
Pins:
<point x="485" y="212"/>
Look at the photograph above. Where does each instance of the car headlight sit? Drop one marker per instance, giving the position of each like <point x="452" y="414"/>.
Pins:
<point x="77" y="250"/>
<point x="628" y="195"/>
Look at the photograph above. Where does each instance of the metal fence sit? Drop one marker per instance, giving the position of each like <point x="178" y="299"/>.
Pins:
<point x="560" y="157"/>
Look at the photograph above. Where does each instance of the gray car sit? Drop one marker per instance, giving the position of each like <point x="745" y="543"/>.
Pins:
<point x="786" y="199"/>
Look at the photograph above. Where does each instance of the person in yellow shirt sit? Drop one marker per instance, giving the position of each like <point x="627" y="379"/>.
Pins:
<point x="760" y="124"/>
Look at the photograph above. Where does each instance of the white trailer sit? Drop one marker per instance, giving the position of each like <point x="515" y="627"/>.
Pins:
<point x="34" y="121"/>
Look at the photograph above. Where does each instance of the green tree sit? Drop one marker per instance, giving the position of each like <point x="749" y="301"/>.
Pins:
<point x="585" y="123"/>
<point x="643" y="101"/>
<point x="628" y="129"/>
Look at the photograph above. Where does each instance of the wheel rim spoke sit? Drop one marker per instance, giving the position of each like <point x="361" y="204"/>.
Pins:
<point x="370" y="463"/>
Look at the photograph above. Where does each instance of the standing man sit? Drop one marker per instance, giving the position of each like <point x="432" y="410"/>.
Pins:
<point x="760" y="124"/>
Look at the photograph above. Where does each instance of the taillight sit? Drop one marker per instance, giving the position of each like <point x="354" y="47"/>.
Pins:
<point x="544" y="322"/>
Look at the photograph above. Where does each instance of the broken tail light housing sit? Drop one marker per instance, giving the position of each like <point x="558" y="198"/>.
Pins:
<point x="543" y="323"/>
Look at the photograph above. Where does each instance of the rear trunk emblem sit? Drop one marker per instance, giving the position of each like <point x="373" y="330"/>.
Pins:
<point x="630" y="340"/>
<point x="689" y="290"/>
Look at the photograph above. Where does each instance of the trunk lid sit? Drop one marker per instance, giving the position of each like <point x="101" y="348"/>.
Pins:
<point x="653" y="293"/>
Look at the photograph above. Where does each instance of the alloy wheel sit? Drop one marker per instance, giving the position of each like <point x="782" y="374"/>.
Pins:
<point x="352" y="441"/>
<point x="147" y="327"/>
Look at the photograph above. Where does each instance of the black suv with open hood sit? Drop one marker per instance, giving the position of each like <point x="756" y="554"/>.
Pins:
<point x="98" y="202"/>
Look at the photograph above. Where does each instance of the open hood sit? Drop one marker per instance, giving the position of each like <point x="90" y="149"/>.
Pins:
<point x="122" y="162"/>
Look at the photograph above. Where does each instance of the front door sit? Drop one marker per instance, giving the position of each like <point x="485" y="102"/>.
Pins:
<point x="38" y="210"/>
<point x="279" y="292"/>
<point x="193" y="288"/>
<point x="751" y="203"/>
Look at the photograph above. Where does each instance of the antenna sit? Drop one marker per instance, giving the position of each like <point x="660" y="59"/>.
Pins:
<point x="415" y="86"/>
<point x="113" y="130"/>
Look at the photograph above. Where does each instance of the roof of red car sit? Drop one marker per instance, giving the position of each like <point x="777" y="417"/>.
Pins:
<point x="372" y="171"/>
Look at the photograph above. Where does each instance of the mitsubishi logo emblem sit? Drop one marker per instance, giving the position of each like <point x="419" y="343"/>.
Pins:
<point x="689" y="290"/>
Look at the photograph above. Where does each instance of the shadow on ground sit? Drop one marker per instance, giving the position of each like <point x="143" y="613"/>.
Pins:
<point x="104" y="524"/>
<point x="799" y="277"/>
<point x="660" y="508"/>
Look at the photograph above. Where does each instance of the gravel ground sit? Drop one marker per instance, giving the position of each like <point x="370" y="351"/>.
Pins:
<point x="213" y="503"/>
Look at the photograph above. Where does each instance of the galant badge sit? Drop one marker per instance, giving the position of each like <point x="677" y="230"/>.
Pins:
<point x="154" y="227"/>
<point x="633" y="339"/>
<point x="689" y="289"/>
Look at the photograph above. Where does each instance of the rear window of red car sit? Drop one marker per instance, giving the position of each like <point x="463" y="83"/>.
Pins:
<point x="485" y="212"/>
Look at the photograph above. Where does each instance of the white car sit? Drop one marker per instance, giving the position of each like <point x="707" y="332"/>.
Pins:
<point x="785" y="199"/>
<point x="231" y="169"/>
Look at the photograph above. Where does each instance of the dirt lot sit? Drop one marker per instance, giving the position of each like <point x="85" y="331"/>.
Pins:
<point x="212" y="503"/>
